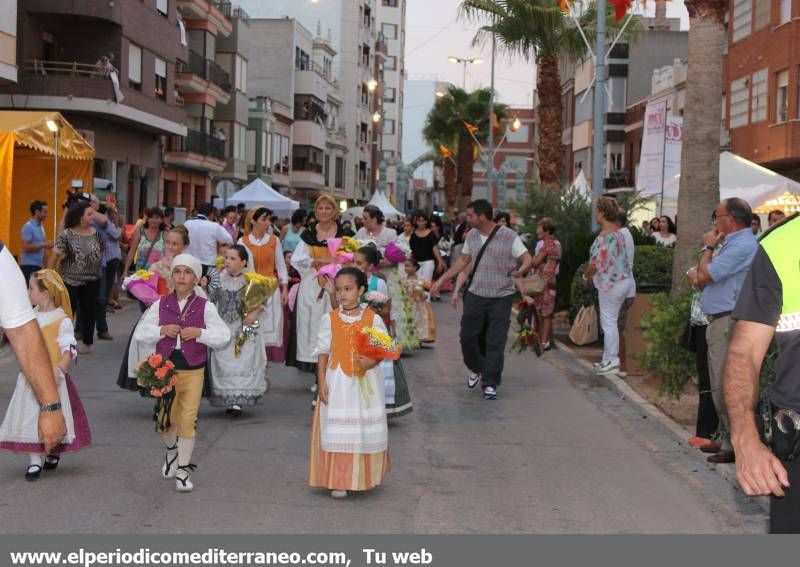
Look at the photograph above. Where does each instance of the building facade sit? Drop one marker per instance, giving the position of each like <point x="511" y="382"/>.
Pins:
<point x="8" y="41"/>
<point x="762" y="83"/>
<point x="110" y="69"/>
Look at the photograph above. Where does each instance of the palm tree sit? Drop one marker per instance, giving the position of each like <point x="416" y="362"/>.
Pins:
<point x="448" y="124"/>
<point x="539" y="30"/>
<point x="699" y="183"/>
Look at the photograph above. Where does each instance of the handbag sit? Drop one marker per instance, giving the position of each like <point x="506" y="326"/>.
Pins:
<point x="478" y="258"/>
<point x="533" y="284"/>
<point x="584" y="330"/>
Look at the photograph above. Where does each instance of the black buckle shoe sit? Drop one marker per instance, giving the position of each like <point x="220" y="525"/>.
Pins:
<point x="51" y="462"/>
<point x="33" y="472"/>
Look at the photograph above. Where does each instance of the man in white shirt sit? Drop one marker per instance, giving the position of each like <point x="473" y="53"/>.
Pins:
<point x="205" y="236"/>
<point x="19" y="323"/>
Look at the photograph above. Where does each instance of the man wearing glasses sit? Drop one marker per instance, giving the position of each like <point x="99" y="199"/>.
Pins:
<point x="720" y="277"/>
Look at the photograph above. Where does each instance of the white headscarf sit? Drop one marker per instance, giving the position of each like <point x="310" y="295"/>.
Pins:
<point x="190" y="262"/>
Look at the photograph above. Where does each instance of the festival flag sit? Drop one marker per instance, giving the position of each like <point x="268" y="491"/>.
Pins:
<point x="564" y="5"/>
<point x="471" y="128"/>
<point x="621" y="8"/>
<point x="444" y="152"/>
<point x="495" y="124"/>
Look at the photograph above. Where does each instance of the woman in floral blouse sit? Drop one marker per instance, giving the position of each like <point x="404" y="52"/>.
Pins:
<point x="608" y="268"/>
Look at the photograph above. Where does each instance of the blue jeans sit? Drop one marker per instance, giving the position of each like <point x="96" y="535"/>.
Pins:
<point x="107" y="281"/>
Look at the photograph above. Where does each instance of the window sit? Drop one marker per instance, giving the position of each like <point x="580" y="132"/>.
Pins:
<point x="782" y="97"/>
<point x="339" y="174"/>
<point x="250" y="142"/>
<point x="390" y="94"/>
<point x="583" y="106"/>
<point x="389" y="31"/>
<point x="742" y="18"/>
<point x="135" y="66"/>
<point x="388" y="126"/>
<point x="365" y="60"/>
<point x="161" y="79"/>
<point x="307" y="158"/>
<point x="302" y="62"/>
<point x="390" y="3"/>
<point x="763" y="14"/>
<point x="786" y="11"/>
<point x="327" y="170"/>
<point x="740" y="102"/>
<point x="162" y="7"/>
<point x="388" y="154"/>
<point x="241" y="74"/>
<point x="364" y="130"/>
<point x="391" y="63"/>
<point x="240" y="142"/>
<point x="758" y="101"/>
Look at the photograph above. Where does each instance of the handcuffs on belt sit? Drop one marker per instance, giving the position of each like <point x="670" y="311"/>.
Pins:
<point x="787" y="422"/>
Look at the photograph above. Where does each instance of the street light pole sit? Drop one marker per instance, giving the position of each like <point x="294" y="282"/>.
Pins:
<point x="490" y="167"/>
<point x="55" y="127"/>
<point x="598" y="142"/>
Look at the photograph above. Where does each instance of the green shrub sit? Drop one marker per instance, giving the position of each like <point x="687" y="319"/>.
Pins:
<point x="641" y="238"/>
<point x="663" y="328"/>
<point x="580" y="295"/>
<point x="652" y="268"/>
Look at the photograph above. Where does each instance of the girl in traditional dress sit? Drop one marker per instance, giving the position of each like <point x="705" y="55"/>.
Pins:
<point x="183" y="326"/>
<point x="423" y="314"/>
<point x="349" y="433"/>
<point x="265" y="257"/>
<point x="312" y="300"/>
<point x="20" y="431"/>
<point x="237" y="380"/>
<point x="398" y="398"/>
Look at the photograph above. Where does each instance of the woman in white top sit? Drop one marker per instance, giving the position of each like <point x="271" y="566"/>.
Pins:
<point x="375" y="231"/>
<point x="666" y="232"/>
<point x="265" y="257"/>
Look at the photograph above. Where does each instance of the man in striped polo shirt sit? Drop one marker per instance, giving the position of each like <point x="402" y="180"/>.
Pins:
<point x="493" y="251"/>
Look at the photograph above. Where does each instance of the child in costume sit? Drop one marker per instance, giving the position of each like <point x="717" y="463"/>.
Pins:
<point x="237" y="380"/>
<point x="398" y="398"/>
<point x="183" y="326"/>
<point x="349" y="433"/>
<point x="19" y="432"/>
<point x="415" y="289"/>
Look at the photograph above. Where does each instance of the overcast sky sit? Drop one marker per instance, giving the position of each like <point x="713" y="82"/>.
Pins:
<point x="433" y="32"/>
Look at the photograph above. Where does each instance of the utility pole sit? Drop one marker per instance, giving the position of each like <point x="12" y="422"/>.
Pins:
<point x="599" y="120"/>
<point x="490" y="166"/>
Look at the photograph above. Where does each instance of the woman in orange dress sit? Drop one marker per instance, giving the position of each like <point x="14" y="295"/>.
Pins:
<point x="266" y="258"/>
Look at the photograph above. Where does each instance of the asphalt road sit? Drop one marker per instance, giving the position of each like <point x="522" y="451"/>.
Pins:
<point x="557" y="452"/>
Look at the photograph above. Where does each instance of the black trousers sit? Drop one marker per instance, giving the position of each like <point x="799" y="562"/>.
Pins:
<point x="784" y="513"/>
<point x="84" y="299"/>
<point x="707" y="419"/>
<point x="107" y="282"/>
<point x="27" y="270"/>
<point x="484" y="331"/>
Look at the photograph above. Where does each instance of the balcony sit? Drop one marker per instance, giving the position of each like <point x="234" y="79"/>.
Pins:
<point x="201" y="76"/>
<point x="96" y="9"/>
<point x="231" y="11"/>
<point x="307" y="133"/>
<point x="71" y="86"/>
<point x="212" y="12"/>
<point x="196" y="150"/>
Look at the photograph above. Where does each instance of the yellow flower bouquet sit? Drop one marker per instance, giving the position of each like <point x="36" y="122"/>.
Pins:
<point x="257" y="290"/>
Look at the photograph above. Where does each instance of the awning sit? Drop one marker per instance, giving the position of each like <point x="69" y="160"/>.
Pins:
<point x="30" y="130"/>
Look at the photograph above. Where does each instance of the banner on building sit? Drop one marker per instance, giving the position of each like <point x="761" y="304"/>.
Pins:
<point x="650" y="177"/>
<point x="672" y="147"/>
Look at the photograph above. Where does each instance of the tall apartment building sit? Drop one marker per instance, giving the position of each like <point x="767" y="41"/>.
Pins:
<point x="8" y="41"/>
<point x="192" y="161"/>
<point x="110" y="68"/>
<point x="351" y="28"/>
<point x="392" y="29"/>
<point x="762" y="83"/>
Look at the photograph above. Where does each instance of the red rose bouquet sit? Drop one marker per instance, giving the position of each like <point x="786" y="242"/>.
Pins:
<point x="158" y="377"/>
<point x="528" y="332"/>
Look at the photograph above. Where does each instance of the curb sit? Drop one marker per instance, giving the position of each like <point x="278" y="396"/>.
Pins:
<point x="726" y="471"/>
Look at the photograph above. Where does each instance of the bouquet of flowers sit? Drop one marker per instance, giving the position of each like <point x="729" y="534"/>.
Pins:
<point x="219" y="263"/>
<point x="373" y="343"/>
<point x="349" y="245"/>
<point x="143" y="285"/>
<point x="397" y="251"/>
<point x="329" y="271"/>
<point x="343" y="248"/>
<point x="257" y="290"/>
<point x="445" y="246"/>
<point x="158" y="377"/>
<point x="527" y="334"/>
<point x="376" y="300"/>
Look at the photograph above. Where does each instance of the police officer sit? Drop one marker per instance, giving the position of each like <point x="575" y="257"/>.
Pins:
<point x="769" y="305"/>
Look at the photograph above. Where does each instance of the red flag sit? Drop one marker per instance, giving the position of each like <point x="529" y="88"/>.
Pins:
<point x="471" y="128"/>
<point x="444" y="152"/>
<point x="621" y="8"/>
<point x="564" y="5"/>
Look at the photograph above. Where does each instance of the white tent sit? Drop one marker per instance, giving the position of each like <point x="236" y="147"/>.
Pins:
<point x="738" y="177"/>
<point x="380" y="200"/>
<point x="581" y="185"/>
<point x="259" y="194"/>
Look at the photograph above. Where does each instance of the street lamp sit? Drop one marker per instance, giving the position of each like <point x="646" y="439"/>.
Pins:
<point x="55" y="127"/>
<point x="465" y="62"/>
<point x="372" y="84"/>
<point x="377" y="117"/>
<point x="516" y="125"/>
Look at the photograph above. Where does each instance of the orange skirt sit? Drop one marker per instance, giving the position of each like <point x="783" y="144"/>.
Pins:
<point x="344" y="471"/>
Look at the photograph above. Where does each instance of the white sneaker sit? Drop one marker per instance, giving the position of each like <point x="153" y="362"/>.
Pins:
<point x="338" y="494"/>
<point x="170" y="467"/>
<point x="472" y="379"/>
<point x="607" y="368"/>
<point x="314" y="389"/>
<point x="183" y="482"/>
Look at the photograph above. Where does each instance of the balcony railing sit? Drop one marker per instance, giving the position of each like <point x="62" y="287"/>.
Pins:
<point x="68" y="68"/>
<point x="198" y="143"/>
<point x="208" y="70"/>
<point x="231" y="11"/>
<point x="302" y="164"/>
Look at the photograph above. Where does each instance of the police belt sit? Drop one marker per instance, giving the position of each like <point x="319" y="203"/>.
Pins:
<point x="780" y="430"/>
